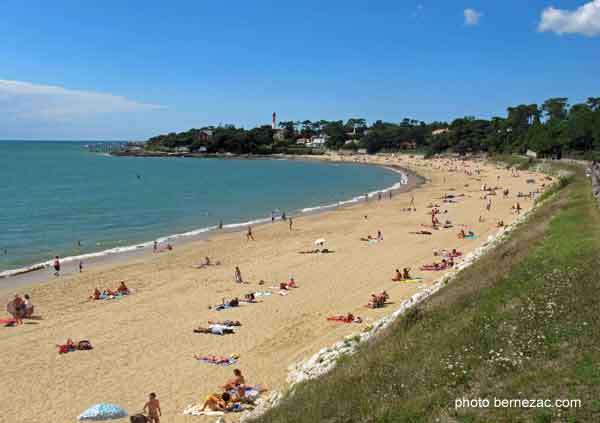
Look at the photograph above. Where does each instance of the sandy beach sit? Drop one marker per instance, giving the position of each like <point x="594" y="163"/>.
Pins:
<point x="144" y="342"/>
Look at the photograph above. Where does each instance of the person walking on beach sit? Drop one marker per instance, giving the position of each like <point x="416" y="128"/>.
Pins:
<point x="80" y="266"/>
<point x="390" y="194"/>
<point x="249" y="235"/>
<point x="238" y="275"/>
<point x="291" y="223"/>
<point x="155" y="246"/>
<point x="488" y="206"/>
<point x="56" y="266"/>
<point x="153" y="408"/>
<point x="412" y="203"/>
<point x="220" y="224"/>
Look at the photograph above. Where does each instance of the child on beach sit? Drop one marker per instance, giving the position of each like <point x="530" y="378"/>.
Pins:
<point x="153" y="407"/>
<point x="56" y="266"/>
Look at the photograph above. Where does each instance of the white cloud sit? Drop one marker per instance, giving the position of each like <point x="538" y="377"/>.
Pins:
<point x="48" y="103"/>
<point x="472" y="16"/>
<point x="583" y="20"/>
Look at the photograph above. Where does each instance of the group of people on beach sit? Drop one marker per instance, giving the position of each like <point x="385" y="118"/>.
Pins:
<point x="19" y="308"/>
<point x="122" y="289"/>
<point x="233" y="391"/>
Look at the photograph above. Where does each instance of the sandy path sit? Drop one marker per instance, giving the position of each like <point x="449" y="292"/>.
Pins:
<point x="145" y="343"/>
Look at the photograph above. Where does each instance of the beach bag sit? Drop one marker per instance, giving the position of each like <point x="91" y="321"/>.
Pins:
<point x="84" y="345"/>
<point x="138" y="418"/>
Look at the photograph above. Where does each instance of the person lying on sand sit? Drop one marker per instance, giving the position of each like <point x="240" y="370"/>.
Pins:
<point x="214" y="329"/>
<point x="421" y="232"/>
<point x="317" y="251"/>
<point x="348" y="318"/>
<point x="443" y="265"/>
<point x="225" y="323"/>
<point x="72" y="346"/>
<point x="216" y="359"/>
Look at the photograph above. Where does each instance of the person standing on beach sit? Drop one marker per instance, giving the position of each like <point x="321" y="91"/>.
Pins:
<point x="390" y="194"/>
<point x="153" y="407"/>
<point x="291" y="223"/>
<point x="80" y="266"/>
<point x="272" y="217"/>
<point x="155" y="246"/>
<point x="220" y="224"/>
<point x="249" y="235"/>
<point x="238" y="275"/>
<point x="56" y="266"/>
<point x="412" y="203"/>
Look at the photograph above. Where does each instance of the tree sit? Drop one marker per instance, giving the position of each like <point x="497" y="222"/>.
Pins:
<point x="555" y="108"/>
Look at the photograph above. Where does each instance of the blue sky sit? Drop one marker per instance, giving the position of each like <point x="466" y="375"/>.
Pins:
<point x="132" y="69"/>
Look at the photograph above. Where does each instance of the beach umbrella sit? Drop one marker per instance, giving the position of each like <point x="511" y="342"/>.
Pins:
<point x="320" y="241"/>
<point x="103" y="411"/>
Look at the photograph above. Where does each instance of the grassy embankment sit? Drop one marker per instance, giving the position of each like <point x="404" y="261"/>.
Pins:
<point x="521" y="323"/>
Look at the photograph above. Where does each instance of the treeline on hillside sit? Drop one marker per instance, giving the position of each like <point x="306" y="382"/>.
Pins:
<point x="551" y="129"/>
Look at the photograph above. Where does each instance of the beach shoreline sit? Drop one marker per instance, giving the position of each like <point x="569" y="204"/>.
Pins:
<point x="147" y="337"/>
<point x="41" y="271"/>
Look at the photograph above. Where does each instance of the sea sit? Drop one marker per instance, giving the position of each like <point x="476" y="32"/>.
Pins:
<point x="59" y="198"/>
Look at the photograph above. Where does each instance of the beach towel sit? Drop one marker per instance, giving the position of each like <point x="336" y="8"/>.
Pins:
<point x="470" y="236"/>
<point x="7" y="322"/>
<point x="411" y="280"/>
<point x="262" y="293"/>
<point x="195" y="410"/>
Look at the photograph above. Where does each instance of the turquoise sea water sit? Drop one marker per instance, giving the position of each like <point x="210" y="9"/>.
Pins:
<point x="54" y="194"/>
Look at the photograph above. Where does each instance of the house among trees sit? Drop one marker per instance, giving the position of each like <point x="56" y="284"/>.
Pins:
<point x="440" y="131"/>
